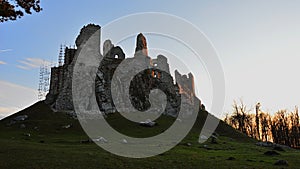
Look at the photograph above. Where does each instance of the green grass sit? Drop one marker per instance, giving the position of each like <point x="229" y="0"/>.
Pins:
<point x="61" y="148"/>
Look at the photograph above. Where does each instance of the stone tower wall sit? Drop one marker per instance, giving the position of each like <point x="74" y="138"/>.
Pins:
<point x="60" y="94"/>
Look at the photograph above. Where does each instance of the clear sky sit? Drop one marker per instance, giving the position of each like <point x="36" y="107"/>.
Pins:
<point x="257" y="42"/>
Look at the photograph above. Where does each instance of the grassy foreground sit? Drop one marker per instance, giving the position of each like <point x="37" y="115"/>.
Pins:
<point x="51" y="146"/>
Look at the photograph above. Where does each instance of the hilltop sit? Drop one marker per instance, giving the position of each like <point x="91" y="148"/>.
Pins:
<point x="48" y="135"/>
<point x="57" y="141"/>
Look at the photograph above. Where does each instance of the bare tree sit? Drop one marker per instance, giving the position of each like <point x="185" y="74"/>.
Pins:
<point x="294" y="130"/>
<point x="257" y="109"/>
<point x="281" y="128"/>
<point x="265" y="126"/>
<point x="240" y="118"/>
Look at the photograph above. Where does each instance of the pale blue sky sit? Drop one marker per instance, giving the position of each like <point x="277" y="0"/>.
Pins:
<point x="257" y="42"/>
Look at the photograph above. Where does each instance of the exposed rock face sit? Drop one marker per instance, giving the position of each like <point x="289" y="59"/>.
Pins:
<point x="157" y="76"/>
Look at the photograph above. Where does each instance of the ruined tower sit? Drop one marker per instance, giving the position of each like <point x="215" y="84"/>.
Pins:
<point x="60" y="93"/>
<point x="157" y="75"/>
<point x="141" y="45"/>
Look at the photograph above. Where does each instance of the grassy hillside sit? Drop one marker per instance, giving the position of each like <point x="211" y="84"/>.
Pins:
<point x="52" y="146"/>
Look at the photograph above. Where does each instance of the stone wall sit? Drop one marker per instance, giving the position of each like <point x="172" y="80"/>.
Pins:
<point x="185" y="83"/>
<point x="60" y="92"/>
<point x="157" y="76"/>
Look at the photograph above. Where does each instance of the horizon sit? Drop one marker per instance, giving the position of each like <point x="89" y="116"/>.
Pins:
<point x="256" y="43"/>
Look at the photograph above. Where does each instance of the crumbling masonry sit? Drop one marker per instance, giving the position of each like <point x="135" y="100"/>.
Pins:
<point x="156" y="77"/>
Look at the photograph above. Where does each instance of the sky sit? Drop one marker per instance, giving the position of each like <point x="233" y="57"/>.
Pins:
<point x="257" y="43"/>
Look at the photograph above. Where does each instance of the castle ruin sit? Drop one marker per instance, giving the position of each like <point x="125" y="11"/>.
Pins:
<point x="156" y="76"/>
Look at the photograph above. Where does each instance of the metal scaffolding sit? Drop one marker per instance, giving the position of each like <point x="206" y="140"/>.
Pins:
<point x="61" y="56"/>
<point x="43" y="81"/>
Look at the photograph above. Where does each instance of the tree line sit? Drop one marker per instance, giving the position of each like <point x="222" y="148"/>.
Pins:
<point x="282" y="128"/>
